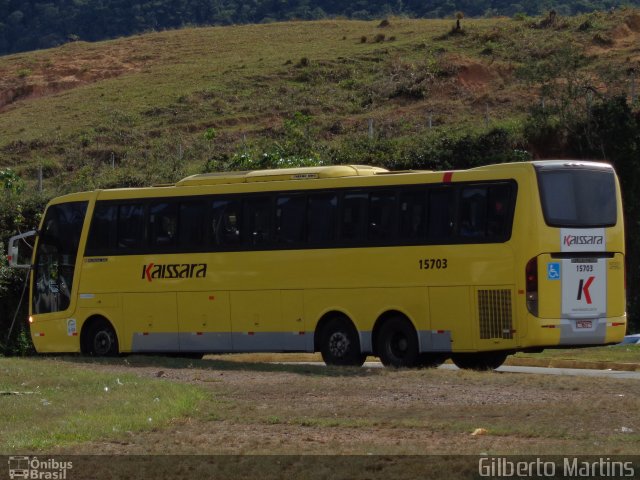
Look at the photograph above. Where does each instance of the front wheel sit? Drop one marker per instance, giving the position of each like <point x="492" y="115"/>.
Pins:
<point x="102" y="340"/>
<point x="480" y="361"/>
<point x="340" y="345"/>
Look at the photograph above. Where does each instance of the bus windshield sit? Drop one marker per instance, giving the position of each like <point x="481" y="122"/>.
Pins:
<point x="56" y="256"/>
<point x="578" y="197"/>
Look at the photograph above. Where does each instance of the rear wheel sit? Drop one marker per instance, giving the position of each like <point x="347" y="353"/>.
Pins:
<point x="479" y="361"/>
<point x="340" y="345"/>
<point x="397" y="344"/>
<point x="102" y="340"/>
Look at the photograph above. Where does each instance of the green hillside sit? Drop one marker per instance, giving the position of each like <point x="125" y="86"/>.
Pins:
<point x="30" y="24"/>
<point x="153" y="108"/>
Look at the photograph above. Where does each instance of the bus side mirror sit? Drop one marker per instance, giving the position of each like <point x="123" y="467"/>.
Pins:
<point x="19" y="251"/>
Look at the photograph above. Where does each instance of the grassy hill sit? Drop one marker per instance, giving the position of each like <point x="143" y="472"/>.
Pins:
<point x="166" y="104"/>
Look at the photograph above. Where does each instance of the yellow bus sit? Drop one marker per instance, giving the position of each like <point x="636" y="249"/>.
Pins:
<point x="414" y="267"/>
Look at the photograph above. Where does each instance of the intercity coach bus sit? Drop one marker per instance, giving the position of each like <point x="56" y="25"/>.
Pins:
<point x="414" y="267"/>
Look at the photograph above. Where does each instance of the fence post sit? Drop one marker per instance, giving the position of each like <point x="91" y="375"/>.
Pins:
<point x="40" y="178"/>
<point x="370" y="128"/>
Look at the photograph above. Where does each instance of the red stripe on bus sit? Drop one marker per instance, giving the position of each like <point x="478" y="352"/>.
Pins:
<point x="617" y="324"/>
<point x="250" y="333"/>
<point x="300" y="333"/>
<point x="447" y="177"/>
<point x="212" y="297"/>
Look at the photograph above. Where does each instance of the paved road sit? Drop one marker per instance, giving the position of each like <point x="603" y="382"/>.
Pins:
<point x="576" y="372"/>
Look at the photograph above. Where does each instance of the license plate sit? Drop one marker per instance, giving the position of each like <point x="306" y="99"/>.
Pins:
<point x="583" y="324"/>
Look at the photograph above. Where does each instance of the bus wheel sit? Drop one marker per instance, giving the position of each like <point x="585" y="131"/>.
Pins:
<point x="102" y="340"/>
<point x="340" y="345"/>
<point x="479" y="361"/>
<point x="397" y="344"/>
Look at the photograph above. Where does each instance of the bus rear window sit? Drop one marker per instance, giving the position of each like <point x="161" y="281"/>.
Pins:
<point x="578" y="198"/>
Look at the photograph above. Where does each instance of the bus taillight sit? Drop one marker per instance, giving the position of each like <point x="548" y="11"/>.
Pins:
<point x="531" y="273"/>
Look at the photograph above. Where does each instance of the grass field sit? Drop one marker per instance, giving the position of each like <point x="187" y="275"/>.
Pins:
<point x="48" y="403"/>
<point x="216" y="406"/>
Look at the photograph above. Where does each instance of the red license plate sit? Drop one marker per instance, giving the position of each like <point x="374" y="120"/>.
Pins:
<point x="583" y="324"/>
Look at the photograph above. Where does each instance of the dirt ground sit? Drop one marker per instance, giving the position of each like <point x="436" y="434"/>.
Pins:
<point x="261" y="408"/>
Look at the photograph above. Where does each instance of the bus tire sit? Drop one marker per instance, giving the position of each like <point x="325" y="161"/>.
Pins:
<point x="340" y="345"/>
<point x="102" y="340"/>
<point x="480" y="361"/>
<point x="397" y="344"/>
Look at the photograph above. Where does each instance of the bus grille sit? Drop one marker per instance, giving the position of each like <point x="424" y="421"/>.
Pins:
<point x="494" y="307"/>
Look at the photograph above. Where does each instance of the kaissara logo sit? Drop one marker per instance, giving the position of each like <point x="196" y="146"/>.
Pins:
<point x="583" y="288"/>
<point x="174" y="270"/>
<point x="570" y="240"/>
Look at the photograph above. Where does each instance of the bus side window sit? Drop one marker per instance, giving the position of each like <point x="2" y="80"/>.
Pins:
<point x="413" y="225"/>
<point x="225" y="223"/>
<point x="353" y="222"/>
<point x="290" y="219"/>
<point x="163" y="224"/>
<point x="382" y="215"/>
<point x="102" y="234"/>
<point x="191" y="224"/>
<point x="322" y="216"/>
<point x="440" y="208"/>
<point x="257" y="221"/>
<point x="131" y="226"/>
<point x="499" y="211"/>
<point x="473" y="212"/>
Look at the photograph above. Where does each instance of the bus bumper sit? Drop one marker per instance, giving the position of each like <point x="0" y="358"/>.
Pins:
<point x="573" y="332"/>
<point x="59" y="335"/>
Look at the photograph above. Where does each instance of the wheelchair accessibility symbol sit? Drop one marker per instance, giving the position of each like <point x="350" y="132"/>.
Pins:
<point x="553" y="271"/>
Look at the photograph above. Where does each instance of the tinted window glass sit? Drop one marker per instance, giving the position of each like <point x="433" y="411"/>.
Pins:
<point x="131" y="226"/>
<point x="163" y="224"/>
<point x="322" y="218"/>
<point x="441" y="208"/>
<point x="578" y="198"/>
<point x="191" y="224"/>
<point x="413" y="216"/>
<point x="56" y="256"/>
<point x="257" y="221"/>
<point x="102" y="234"/>
<point x="499" y="211"/>
<point x="473" y="212"/>
<point x="382" y="215"/>
<point x="353" y="224"/>
<point x="290" y="219"/>
<point x="225" y="223"/>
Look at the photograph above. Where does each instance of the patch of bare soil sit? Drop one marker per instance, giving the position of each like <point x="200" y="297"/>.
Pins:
<point x="298" y="409"/>
<point x="62" y="69"/>
<point x="475" y="76"/>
